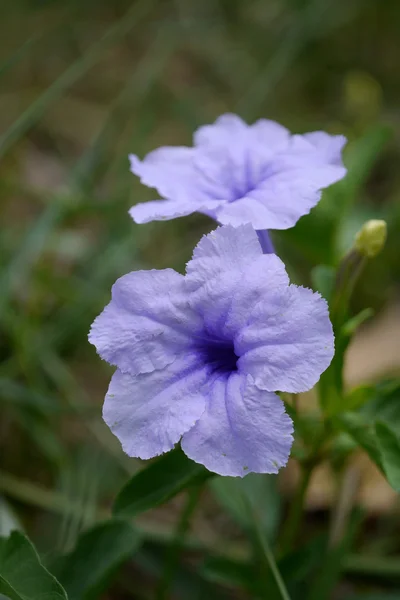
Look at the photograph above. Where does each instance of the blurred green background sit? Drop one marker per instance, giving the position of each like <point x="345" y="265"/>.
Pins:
<point x="82" y="84"/>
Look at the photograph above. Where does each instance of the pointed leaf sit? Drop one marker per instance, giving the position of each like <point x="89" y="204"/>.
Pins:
<point x="22" y="575"/>
<point x="87" y="570"/>
<point x="362" y="432"/>
<point x="158" y="482"/>
<point x="389" y="447"/>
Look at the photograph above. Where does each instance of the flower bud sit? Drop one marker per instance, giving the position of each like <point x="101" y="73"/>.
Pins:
<point x="369" y="241"/>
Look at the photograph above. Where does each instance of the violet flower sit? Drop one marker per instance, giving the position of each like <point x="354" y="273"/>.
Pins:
<point x="238" y="173"/>
<point x="200" y="356"/>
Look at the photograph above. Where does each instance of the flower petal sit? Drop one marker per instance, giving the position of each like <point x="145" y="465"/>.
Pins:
<point x="168" y="169"/>
<point x="270" y="135"/>
<point x="149" y="412"/>
<point x="225" y="249"/>
<point x="285" y="196"/>
<point x="222" y="131"/>
<point x="242" y="430"/>
<point x="288" y="341"/>
<point x="238" y="174"/>
<point x="160" y="210"/>
<point x="329" y="147"/>
<point x="228" y="276"/>
<point x="147" y="323"/>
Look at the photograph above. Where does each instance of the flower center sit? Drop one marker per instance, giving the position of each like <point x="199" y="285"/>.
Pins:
<point x="219" y="354"/>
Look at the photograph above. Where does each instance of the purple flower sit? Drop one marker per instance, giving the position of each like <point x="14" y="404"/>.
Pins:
<point x="238" y="173"/>
<point x="199" y="356"/>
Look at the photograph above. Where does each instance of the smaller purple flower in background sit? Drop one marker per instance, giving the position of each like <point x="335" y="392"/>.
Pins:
<point x="200" y="356"/>
<point x="238" y="173"/>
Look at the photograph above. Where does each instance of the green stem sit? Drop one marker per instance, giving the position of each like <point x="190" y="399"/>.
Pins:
<point x="293" y="521"/>
<point x="269" y="556"/>
<point x="163" y="589"/>
<point x="274" y="568"/>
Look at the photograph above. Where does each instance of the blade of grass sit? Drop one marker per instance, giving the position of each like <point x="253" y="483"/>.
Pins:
<point x="264" y="545"/>
<point x="144" y="75"/>
<point x="306" y="25"/>
<point x="132" y="18"/>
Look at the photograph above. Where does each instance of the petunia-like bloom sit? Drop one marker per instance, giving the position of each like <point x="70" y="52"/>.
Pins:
<point x="238" y="173"/>
<point x="200" y="356"/>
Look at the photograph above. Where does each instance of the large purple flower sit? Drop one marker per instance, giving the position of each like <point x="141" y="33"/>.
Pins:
<point x="238" y="173"/>
<point x="200" y="356"/>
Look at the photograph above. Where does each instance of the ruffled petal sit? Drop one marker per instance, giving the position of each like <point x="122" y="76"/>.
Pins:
<point x="147" y="323"/>
<point x="168" y="169"/>
<point x="219" y="264"/>
<point x="228" y="276"/>
<point x="269" y="135"/>
<point x="149" y="412"/>
<point x="225" y="249"/>
<point x="221" y="132"/>
<point x="329" y="147"/>
<point x="288" y="341"/>
<point x="238" y="174"/>
<point x="255" y="211"/>
<point x="242" y="430"/>
<point x="288" y="193"/>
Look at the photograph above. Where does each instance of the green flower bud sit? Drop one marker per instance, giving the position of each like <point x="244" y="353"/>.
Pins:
<point x="371" y="238"/>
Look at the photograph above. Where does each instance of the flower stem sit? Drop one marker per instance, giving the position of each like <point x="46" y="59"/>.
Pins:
<point x="266" y="548"/>
<point x="270" y="559"/>
<point x="265" y="241"/>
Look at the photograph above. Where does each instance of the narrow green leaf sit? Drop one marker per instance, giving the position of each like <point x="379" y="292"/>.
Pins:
<point x="351" y="326"/>
<point x="88" y="569"/>
<point x="389" y="447"/>
<point x="158" y="482"/>
<point x="358" y="397"/>
<point x="72" y="74"/>
<point x="22" y="575"/>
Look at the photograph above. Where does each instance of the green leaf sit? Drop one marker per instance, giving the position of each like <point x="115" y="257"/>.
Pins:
<point x="158" y="482"/>
<point x="389" y="447"/>
<point x="22" y="575"/>
<point x="384" y="403"/>
<point x="358" y="397"/>
<point x="351" y="326"/>
<point x="362" y="432"/>
<point x="88" y="569"/>
<point x="259" y="490"/>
